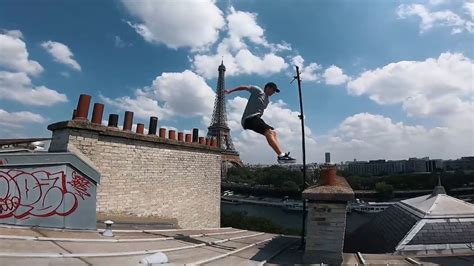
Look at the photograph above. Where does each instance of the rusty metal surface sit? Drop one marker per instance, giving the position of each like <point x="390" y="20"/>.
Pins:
<point x="83" y="107"/>
<point x="128" y="121"/>
<point x="140" y="128"/>
<point x="97" y="113"/>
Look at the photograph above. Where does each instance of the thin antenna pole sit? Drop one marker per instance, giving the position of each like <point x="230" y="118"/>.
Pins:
<point x="301" y="116"/>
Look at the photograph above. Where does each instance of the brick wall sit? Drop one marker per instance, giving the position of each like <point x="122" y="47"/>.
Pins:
<point x="146" y="175"/>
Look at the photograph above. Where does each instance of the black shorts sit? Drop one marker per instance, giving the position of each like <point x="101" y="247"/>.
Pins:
<point x="256" y="124"/>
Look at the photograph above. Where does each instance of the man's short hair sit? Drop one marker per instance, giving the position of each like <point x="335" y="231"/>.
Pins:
<point x="272" y="85"/>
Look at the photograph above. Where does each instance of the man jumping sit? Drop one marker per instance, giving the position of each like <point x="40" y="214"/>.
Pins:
<point x="251" y="119"/>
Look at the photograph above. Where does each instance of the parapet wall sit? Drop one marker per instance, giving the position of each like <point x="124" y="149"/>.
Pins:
<point x="47" y="189"/>
<point x="148" y="175"/>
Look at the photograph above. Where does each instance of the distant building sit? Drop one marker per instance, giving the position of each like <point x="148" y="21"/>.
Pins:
<point x="257" y="166"/>
<point x="327" y="156"/>
<point x="435" y="165"/>
<point x="415" y="165"/>
<point x="342" y="166"/>
<point x="465" y="163"/>
<point x="298" y="167"/>
<point x="412" y="165"/>
<point x="377" y="167"/>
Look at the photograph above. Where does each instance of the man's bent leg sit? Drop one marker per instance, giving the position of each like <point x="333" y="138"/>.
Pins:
<point x="270" y="135"/>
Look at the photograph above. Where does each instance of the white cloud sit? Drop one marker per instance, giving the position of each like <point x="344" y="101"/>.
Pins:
<point x="456" y="31"/>
<point x="238" y="49"/>
<point x="184" y="94"/>
<point x="193" y="24"/>
<point x="335" y="76"/>
<point x="242" y="62"/>
<point x="163" y="22"/>
<point x="469" y="7"/>
<point x="18" y="87"/>
<point x="437" y="88"/>
<point x="442" y="106"/>
<point x="18" y="119"/>
<point x="265" y="65"/>
<point x="14" y="55"/>
<point x="444" y="18"/>
<point x="243" y="25"/>
<point x="278" y="47"/>
<point x="65" y="74"/>
<point x="142" y="106"/>
<point x="367" y="136"/>
<point x="120" y="43"/>
<point x="434" y="87"/>
<point x="170" y="95"/>
<point x="61" y="54"/>
<point x="13" y="33"/>
<point x="307" y="73"/>
<point x="437" y="2"/>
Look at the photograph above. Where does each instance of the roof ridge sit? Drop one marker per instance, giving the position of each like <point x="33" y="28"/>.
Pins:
<point x="412" y="209"/>
<point x="435" y="202"/>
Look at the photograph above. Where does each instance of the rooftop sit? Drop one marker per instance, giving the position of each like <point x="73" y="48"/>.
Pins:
<point x="430" y="224"/>
<point x="439" y="206"/>
<point x="217" y="246"/>
<point x="20" y="141"/>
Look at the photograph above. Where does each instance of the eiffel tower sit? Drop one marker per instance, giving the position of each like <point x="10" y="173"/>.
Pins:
<point x="219" y="129"/>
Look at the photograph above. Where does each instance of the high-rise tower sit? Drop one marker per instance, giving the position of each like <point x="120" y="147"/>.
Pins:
<point x="219" y="128"/>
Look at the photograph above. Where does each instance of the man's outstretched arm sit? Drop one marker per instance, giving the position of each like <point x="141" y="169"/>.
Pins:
<point x="240" y="88"/>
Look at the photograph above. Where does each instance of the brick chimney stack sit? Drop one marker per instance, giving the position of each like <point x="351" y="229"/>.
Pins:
<point x="326" y="220"/>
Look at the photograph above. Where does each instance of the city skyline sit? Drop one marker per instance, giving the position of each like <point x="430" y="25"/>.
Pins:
<point x="380" y="80"/>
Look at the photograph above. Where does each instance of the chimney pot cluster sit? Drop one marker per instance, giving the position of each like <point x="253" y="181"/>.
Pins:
<point x="82" y="111"/>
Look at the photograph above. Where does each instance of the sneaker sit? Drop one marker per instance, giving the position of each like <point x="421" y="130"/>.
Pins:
<point x="286" y="159"/>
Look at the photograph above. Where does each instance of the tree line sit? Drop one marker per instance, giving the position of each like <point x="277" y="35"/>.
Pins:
<point x="278" y="181"/>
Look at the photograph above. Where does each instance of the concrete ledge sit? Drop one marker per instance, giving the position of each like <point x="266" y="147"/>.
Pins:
<point x="55" y="190"/>
<point x="116" y="132"/>
<point x="339" y="191"/>
<point x="44" y="159"/>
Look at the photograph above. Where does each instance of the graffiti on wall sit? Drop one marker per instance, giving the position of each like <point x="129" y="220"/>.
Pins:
<point x="40" y="193"/>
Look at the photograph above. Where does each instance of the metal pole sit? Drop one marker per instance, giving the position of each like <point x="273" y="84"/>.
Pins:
<point x="301" y="116"/>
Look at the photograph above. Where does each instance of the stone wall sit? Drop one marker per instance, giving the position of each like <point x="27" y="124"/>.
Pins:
<point x="326" y="225"/>
<point x="146" y="175"/>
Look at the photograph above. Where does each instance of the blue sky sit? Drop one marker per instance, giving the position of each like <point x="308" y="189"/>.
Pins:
<point x="381" y="79"/>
